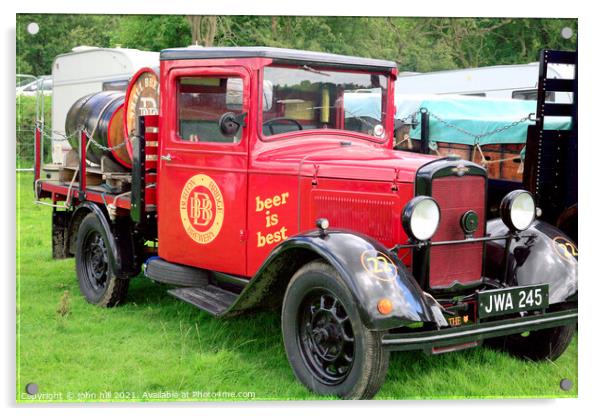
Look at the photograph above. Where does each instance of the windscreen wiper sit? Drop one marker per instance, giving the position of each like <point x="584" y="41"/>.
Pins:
<point x="315" y="71"/>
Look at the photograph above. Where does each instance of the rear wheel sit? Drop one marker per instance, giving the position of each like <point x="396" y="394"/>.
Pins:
<point x="328" y="347"/>
<point x="545" y="344"/>
<point x="97" y="281"/>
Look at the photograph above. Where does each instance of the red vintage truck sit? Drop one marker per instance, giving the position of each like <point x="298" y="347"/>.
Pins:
<point x="247" y="185"/>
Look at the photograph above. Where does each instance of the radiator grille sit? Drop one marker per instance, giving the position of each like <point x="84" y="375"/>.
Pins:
<point x="373" y="217"/>
<point x="461" y="263"/>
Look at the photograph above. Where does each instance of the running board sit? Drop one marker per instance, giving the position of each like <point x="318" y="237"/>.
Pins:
<point x="163" y="271"/>
<point x="210" y="298"/>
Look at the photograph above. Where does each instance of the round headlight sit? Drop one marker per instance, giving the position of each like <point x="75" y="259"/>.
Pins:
<point x="420" y="218"/>
<point x="518" y="210"/>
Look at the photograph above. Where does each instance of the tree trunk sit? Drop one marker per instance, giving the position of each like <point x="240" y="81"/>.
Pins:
<point x="274" y="26"/>
<point x="209" y="29"/>
<point x="195" y="29"/>
<point x="203" y="29"/>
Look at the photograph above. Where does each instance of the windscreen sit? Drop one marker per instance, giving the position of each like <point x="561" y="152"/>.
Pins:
<point x="311" y="98"/>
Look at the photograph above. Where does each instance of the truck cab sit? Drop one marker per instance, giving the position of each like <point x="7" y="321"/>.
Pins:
<point x="290" y="132"/>
<point x="253" y="187"/>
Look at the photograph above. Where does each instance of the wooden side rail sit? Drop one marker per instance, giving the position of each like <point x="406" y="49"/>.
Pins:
<point x="144" y="165"/>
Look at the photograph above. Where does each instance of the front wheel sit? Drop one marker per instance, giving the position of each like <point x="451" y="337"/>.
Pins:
<point x="97" y="281"/>
<point x="328" y="347"/>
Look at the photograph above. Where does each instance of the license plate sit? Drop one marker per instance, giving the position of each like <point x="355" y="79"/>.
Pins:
<point x="512" y="300"/>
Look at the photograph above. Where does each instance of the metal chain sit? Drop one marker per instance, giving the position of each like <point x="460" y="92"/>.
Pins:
<point x="50" y="136"/>
<point x="477" y="137"/>
<point x="90" y="136"/>
<point x="63" y="137"/>
<point x="411" y="119"/>
<point x="105" y="148"/>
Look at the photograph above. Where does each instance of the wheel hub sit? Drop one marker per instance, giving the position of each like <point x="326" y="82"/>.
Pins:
<point x="326" y="337"/>
<point x="96" y="260"/>
<point x="326" y="334"/>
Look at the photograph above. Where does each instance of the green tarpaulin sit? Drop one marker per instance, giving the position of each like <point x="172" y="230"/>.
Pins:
<point x="453" y="117"/>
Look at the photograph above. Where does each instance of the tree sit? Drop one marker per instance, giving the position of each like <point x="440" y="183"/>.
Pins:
<point x="415" y="43"/>
<point x="58" y="34"/>
<point x="152" y="32"/>
<point x="210" y="30"/>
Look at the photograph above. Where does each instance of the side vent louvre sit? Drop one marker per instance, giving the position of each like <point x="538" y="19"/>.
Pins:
<point x="370" y="215"/>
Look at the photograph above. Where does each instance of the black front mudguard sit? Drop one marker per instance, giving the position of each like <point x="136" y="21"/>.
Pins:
<point x="542" y="254"/>
<point x="369" y="270"/>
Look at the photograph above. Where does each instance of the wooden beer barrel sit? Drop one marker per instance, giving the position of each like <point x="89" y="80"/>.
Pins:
<point x="100" y="114"/>
<point x="116" y="136"/>
<point x="141" y="99"/>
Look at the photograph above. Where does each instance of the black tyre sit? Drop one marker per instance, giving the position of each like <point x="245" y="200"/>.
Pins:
<point x="97" y="281"/>
<point x="545" y="344"/>
<point x="328" y="347"/>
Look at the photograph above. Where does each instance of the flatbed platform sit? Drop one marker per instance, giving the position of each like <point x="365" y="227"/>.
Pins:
<point x="59" y="190"/>
<point x="107" y="183"/>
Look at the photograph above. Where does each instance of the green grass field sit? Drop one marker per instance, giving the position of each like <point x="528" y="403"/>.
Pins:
<point x="156" y="345"/>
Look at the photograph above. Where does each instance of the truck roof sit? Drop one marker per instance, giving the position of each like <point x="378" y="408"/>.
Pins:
<point x="279" y="55"/>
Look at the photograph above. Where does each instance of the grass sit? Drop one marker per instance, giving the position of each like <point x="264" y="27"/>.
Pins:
<point x="155" y="346"/>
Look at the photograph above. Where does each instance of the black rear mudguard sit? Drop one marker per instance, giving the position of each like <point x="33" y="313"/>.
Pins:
<point x="369" y="270"/>
<point x="123" y="258"/>
<point x="543" y="254"/>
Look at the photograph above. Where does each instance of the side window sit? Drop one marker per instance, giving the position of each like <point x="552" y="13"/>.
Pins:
<point x="475" y="94"/>
<point x="531" y="95"/>
<point x="201" y="103"/>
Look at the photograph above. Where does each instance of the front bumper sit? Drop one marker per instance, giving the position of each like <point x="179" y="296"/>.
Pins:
<point x="470" y="335"/>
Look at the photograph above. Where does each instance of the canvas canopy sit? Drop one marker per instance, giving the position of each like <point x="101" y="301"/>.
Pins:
<point x="452" y="116"/>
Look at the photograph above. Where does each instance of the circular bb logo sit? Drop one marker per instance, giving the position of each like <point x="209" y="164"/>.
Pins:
<point x="202" y="208"/>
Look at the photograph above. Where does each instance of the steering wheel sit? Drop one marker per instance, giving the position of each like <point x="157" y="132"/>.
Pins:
<point x="269" y="123"/>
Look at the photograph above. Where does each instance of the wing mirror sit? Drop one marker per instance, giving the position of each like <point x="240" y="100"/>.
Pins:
<point x="230" y="123"/>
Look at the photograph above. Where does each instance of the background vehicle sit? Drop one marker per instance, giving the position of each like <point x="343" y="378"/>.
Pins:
<point x="252" y="186"/>
<point x="31" y="88"/>
<point x="497" y="132"/>
<point x="86" y="70"/>
<point x="501" y="82"/>
<point x="537" y="137"/>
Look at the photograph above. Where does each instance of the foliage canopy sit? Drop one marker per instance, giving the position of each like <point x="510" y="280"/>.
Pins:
<point x="415" y="43"/>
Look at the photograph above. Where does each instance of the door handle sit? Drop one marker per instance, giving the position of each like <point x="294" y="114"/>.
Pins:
<point x="166" y="157"/>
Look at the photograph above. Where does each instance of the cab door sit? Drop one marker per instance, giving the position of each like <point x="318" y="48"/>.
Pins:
<point x="202" y="185"/>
